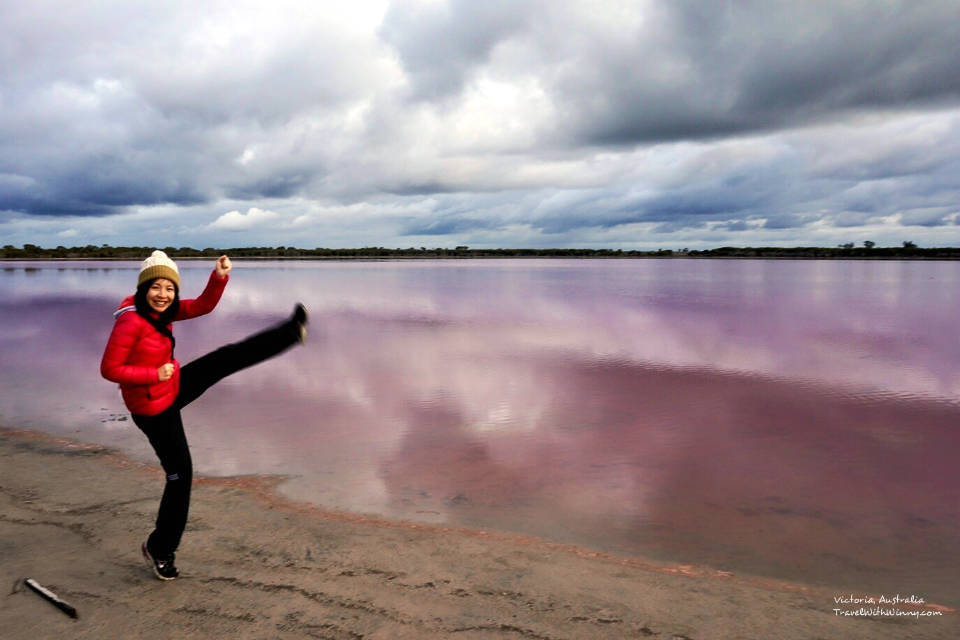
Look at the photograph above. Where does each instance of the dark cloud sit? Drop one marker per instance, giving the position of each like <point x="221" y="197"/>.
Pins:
<point x="449" y="224"/>
<point x="99" y="186"/>
<point x="423" y="188"/>
<point x="277" y="185"/>
<point x="733" y="194"/>
<point x="733" y="225"/>
<point x="930" y="219"/>
<point x="777" y="220"/>
<point x="848" y="219"/>
<point x="113" y="106"/>
<point x="39" y="206"/>
<point x="441" y="44"/>
<point x="692" y="69"/>
<point x="752" y="66"/>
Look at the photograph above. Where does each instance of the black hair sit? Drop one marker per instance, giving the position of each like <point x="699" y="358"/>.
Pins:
<point x="161" y="322"/>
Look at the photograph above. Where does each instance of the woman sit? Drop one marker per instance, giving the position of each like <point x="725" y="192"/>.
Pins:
<point x="139" y="356"/>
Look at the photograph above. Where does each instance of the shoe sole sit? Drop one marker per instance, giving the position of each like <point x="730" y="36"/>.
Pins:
<point x="152" y="564"/>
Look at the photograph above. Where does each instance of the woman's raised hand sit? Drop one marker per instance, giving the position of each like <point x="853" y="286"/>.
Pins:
<point x="223" y="266"/>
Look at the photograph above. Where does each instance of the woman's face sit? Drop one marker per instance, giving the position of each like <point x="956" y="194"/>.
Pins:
<point x="161" y="294"/>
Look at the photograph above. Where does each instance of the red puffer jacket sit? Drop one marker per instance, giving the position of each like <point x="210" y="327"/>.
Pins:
<point x="136" y="350"/>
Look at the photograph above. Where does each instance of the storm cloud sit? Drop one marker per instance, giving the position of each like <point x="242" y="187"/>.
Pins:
<point x="521" y="123"/>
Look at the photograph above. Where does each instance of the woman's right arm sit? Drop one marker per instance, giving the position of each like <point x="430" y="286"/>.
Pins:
<point x="122" y="341"/>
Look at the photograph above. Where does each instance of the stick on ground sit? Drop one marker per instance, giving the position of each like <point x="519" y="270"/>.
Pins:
<point x="51" y="597"/>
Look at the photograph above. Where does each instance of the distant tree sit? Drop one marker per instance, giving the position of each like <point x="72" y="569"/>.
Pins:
<point x="869" y="244"/>
<point x="909" y="245"/>
<point x="847" y="245"/>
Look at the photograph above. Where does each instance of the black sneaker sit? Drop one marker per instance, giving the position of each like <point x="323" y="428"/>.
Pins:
<point x="162" y="567"/>
<point x="300" y="317"/>
<point x="300" y="314"/>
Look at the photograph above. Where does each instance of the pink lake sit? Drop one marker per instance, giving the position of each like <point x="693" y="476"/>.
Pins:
<point x="792" y="419"/>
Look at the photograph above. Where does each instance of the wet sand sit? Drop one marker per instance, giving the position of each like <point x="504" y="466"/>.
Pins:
<point x="257" y="566"/>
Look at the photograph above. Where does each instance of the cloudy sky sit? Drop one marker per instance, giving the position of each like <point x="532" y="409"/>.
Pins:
<point x="502" y="123"/>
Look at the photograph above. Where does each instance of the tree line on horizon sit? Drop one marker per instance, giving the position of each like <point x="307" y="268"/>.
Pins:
<point x="849" y="250"/>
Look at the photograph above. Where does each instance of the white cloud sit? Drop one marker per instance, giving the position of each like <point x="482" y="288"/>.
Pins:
<point x="236" y="221"/>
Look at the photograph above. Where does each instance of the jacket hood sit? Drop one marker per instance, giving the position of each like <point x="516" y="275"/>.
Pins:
<point x="128" y="304"/>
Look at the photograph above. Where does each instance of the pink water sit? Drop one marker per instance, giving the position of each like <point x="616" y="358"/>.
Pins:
<point x="794" y="419"/>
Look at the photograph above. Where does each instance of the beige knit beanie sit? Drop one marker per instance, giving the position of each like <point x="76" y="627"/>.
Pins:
<point x="158" y="265"/>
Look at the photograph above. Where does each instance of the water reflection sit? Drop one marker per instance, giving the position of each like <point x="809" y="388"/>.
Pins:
<point x="787" y="418"/>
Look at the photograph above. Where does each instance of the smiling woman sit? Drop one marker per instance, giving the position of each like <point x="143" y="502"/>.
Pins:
<point x="160" y="294"/>
<point x="139" y="357"/>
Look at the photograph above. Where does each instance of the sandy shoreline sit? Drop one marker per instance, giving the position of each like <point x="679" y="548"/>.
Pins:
<point x="258" y="566"/>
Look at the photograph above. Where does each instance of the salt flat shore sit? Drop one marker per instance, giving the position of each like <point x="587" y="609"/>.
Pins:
<point x="258" y="566"/>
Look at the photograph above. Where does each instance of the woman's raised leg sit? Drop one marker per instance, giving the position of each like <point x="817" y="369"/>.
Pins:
<point x="202" y="373"/>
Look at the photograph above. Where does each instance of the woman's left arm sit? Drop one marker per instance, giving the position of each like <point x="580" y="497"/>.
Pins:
<point x="207" y="300"/>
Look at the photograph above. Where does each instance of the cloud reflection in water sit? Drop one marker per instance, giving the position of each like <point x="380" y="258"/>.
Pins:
<point x="787" y="418"/>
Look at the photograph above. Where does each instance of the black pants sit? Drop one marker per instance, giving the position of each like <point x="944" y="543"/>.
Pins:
<point x="165" y="430"/>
